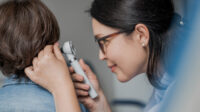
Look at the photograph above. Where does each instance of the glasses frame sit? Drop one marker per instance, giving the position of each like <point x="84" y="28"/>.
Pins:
<point x="98" y="40"/>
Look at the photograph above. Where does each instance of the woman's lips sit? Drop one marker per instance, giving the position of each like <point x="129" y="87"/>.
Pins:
<point x="113" y="67"/>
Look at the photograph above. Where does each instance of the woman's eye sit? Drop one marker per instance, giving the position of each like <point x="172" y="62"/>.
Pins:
<point x="105" y="41"/>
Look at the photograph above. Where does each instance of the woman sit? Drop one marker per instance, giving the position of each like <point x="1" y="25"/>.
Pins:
<point x="134" y="37"/>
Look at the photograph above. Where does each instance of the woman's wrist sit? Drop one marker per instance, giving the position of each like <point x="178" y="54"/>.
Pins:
<point x="101" y="104"/>
<point x="63" y="96"/>
<point x="64" y="83"/>
<point x="62" y="87"/>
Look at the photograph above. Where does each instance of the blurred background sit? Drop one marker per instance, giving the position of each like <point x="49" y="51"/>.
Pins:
<point x="75" y="25"/>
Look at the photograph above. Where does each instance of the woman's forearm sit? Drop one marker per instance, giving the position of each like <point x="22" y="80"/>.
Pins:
<point x="65" y="98"/>
<point x="102" y="104"/>
<point x="106" y="105"/>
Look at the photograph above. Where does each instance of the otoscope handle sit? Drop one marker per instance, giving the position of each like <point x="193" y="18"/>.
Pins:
<point x="79" y="70"/>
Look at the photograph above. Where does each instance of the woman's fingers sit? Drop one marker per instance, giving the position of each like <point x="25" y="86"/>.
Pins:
<point x="71" y="70"/>
<point x="30" y="73"/>
<point x="41" y="54"/>
<point x="35" y="62"/>
<point x="57" y="52"/>
<point x="77" y="78"/>
<point x="81" y="86"/>
<point x="86" y="101"/>
<point x="81" y="92"/>
<point x="86" y="68"/>
<point x="51" y="50"/>
<point x="48" y="49"/>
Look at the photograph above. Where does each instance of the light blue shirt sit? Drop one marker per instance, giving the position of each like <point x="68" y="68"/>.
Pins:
<point x="25" y="96"/>
<point x="158" y="95"/>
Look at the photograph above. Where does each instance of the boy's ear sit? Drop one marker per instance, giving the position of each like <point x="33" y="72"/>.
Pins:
<point x="143" y="35"/>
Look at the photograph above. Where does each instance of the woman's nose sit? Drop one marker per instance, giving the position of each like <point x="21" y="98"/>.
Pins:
<point x="101" y="55"/>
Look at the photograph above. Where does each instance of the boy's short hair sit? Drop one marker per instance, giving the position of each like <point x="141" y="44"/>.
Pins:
<point x="26" y="27"/>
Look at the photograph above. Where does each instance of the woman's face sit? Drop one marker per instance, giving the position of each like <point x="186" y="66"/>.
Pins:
<point x="125" y="55"/>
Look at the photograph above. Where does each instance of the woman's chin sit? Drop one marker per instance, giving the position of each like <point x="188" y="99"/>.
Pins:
<point x="124" y="78"/>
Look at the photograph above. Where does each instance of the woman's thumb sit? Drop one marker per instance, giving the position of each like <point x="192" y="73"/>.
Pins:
<point x="85" y="67"/>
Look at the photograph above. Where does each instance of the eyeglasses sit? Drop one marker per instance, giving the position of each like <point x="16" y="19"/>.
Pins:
<point x="102" y="41"/>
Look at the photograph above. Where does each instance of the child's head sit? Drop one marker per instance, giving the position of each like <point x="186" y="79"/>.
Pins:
<point x="26" y="27"/>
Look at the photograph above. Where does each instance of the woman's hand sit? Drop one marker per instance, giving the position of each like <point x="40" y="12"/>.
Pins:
<point x="98" y="104"/>
<point x="50" y="71"/>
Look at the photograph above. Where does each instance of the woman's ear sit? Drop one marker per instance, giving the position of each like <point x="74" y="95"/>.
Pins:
<point x="143" y="35"/>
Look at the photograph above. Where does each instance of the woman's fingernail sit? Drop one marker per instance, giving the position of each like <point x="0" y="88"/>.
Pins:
<point x="87" y="87"/>
<point x="82" y="60"/>
<point x="57" y="44"/>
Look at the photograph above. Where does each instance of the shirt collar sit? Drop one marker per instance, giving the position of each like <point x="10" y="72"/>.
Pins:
<point x="12" y="80"/>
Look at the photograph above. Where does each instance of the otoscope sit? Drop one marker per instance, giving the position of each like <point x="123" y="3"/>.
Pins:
<point x="70" y="52"/>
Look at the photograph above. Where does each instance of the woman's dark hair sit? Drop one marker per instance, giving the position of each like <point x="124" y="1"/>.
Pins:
<point x="157" y="15"/>
<point x="26" y="27"/>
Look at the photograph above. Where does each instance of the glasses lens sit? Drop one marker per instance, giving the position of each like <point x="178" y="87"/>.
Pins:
<point x="101" y="46"/>
<point x="102" y="41"/>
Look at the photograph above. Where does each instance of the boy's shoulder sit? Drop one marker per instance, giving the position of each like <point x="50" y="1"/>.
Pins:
<point x="25" y="96"/>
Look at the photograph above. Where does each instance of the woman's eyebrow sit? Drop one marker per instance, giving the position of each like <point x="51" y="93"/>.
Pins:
<point x="97" y="36"/>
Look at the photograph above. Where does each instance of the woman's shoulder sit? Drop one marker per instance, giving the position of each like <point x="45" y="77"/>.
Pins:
<point x="159" y="94"/>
